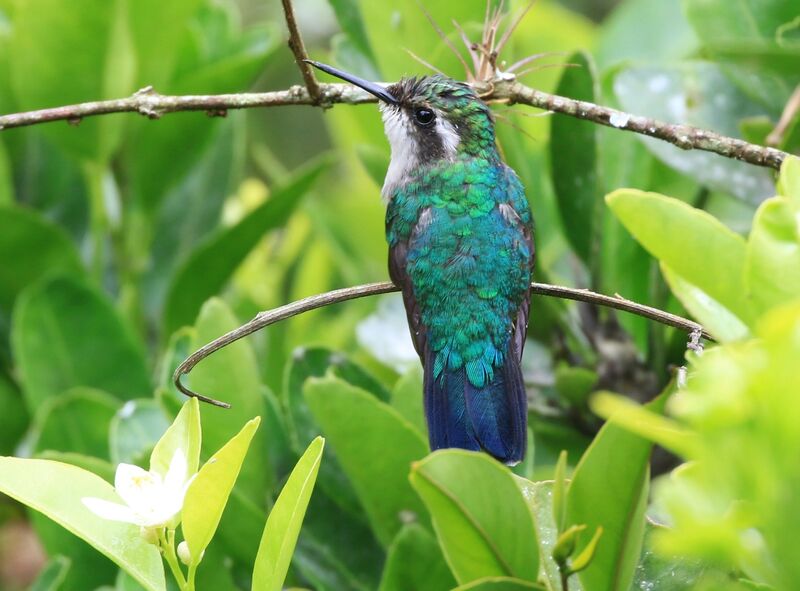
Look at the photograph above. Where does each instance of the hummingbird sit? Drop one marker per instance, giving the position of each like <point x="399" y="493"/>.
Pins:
<point x="460" y="235"/>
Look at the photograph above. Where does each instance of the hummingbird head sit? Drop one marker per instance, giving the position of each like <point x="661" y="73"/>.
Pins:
<point x="428" y="119"/>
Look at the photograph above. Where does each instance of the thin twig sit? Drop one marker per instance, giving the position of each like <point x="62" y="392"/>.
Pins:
<point x="789" y="112"/>
<point x="300" y="55"/>
<point x="150" y="103"/>
<point x="263" y="319"/>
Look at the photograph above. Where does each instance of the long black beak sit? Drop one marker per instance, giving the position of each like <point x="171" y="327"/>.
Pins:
<point x="370" y="87"/>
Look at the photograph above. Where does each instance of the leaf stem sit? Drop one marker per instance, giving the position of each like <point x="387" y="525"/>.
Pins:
<point x="168" y="550"/>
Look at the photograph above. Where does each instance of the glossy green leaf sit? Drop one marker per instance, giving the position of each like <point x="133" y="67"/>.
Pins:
<point x="301" y="425"/>
<point x="348" y="14"/>
<point x="52" y="575"/>
<point x="102" y="468"/>
<point x="336" y="551"/>
<point x="222" y="59"/>
<point x="644" y="30"/>
<point x="695" y="93"/>
<point x="77" y="421"/>
<point x="772" y="270"/>
<point x="415" y="563"/>
<point x="30" y="247"/>
<point x="407" y="399"/>
<point x="573" y="160"/>
<point x="500" y="584"/>
<point x="714" y="317"/>
<point x="609" y="490"/>
<point x="283" y="525"/>
<point x="184" y="434"/>
<point x="209" y="491"/>
<point x="157" y="28"/>
<point x="43" y="34"/>
<point x="67" y="334"/>
<point x="749" y="38"/>
<point x="56" y="490"/>
<point x="375" y="447"/>
<point x="676" y="234"/>
<point x="789" y="179"/>
<point x="135" y="429"/>
<point x="480" y="515"/>
<point x="232" y="374"/>
<point x="540" y="497"/>
<point x="212" y="263"/>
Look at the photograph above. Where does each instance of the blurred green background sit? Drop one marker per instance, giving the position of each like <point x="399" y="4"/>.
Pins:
<point x="126" y="243"/>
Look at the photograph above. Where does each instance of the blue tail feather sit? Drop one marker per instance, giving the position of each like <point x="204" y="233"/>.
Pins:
<point x="492" y="417"/>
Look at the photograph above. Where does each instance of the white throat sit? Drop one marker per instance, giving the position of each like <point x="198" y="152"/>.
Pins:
<point x="405" y="153"/>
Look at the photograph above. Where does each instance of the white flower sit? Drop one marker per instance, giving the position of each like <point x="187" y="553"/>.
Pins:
<point x="150" y="501"/>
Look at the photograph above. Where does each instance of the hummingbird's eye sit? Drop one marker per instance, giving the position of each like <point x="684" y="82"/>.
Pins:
<point x="424" y="116"/>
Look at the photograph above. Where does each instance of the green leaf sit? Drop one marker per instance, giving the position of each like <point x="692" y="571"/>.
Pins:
<point x="559" y="496"/>
<point x="415" y="563"/>
<point x="52" y="575"/>
<point x="184" y="434"/>
<point x="407" y="399"/>
<point x="575" y="383"/>
<point x="609" y="490"/>
<point x="56" y="490"/>
<point x="212" y="263"/>
<point x="135" y="429"/>
<point x="573" y="160"/>
<point x="789" y="179"/>
<point x="301" y="426"/>
<point x="375" y="446"/>
<point x="348" y="14"/>
<point x="748" y="38"/>
<point x="375" y="162"/>
<point x="480" y="516"/>
<point x="714" y="317"/>
<point x="772" y="268"/>
<point x="695" y="93"/>
<point x="14" y="418"/>
<point x="30" y="247"/>
<point x="43" y="34"/>
<point x="540" y="497"/>
<point x="283" y="525"/>
<point x="209" y="491"/>
<point x="690" y="241"/>
<point x="499" y="584"/>
<point x="76" y="421"/>
<point x="103" y="468"/>
<point x="157" y="28"/>
<point x="6" y="181"/>
<point x="65" y="333"/>
<point x="644" y="30"/>
<point x="216" y="58"/>
<point x="336" y="551"/>
<point x="232" y="374"/>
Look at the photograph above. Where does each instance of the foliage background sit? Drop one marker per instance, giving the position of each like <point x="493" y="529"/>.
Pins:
<point x="126" y="243"/>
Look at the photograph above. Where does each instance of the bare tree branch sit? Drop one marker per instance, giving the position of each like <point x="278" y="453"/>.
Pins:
<point x="300" y="55"/>
<point x="264" y="319"/>
<point x="150" y="103"/>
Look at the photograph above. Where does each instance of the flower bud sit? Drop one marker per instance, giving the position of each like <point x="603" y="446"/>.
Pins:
<point x="185" y="555"/>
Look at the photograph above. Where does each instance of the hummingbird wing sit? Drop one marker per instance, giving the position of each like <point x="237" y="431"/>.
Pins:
<point x="517" y="213"/>
<point x="398" y="253"/>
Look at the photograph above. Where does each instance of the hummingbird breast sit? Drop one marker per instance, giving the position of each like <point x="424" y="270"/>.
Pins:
<point x="461" y="249"/>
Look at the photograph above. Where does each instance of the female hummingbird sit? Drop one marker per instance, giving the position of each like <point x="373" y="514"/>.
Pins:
<point x="461" y="249"/>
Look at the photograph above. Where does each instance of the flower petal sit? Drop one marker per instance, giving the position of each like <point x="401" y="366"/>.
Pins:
<point x="138" y="488"/>
<point x="110" y="511"/>
<point x="176" y="473"/>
